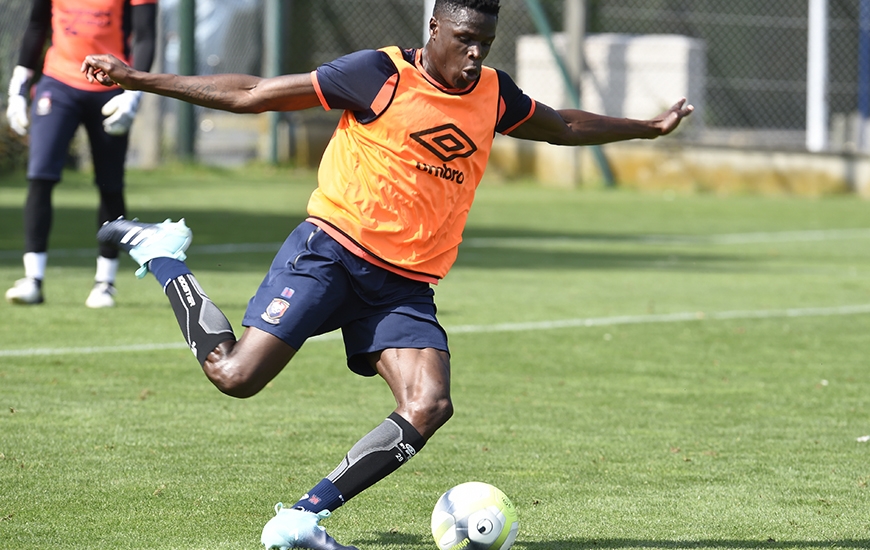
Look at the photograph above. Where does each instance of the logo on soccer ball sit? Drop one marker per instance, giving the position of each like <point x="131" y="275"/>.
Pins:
<point x="447" y="142"/>
<point x="485" y="526"/>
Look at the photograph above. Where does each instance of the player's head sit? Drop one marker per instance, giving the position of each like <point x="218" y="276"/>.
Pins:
<point x="483" y="6"/>
<point x="461" y="33"/>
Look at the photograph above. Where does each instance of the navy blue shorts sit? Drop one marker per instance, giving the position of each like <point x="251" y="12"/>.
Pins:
<point x="55" y="115"/>
<point x="315" y="286"/>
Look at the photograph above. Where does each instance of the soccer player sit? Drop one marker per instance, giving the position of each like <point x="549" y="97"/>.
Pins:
<point x="394" y="189"/>
<point x="62" y="101"/>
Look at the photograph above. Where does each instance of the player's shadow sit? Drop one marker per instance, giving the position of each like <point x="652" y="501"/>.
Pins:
<point x="509" y="248"/>
<point x="225" y="240"/>
<point x="409" y="541"/>
<point x="231" y="240"/>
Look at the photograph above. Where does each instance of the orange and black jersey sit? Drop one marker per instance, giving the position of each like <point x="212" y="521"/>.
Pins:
<point x="123" y="28"/>
<point x="398" y="177"/>
<point x="364" y="82"/>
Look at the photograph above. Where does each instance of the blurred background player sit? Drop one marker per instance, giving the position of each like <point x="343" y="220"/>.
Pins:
<point x="62" y="101"/>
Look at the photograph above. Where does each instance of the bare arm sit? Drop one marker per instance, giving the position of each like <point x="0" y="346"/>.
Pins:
<point x="575" y="127"/>
<point x="236" y="93"/>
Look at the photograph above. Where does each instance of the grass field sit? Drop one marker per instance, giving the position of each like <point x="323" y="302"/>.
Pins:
<point x="635" y="371"/>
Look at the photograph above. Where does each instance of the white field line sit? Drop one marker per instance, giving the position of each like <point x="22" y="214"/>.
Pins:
<point x="663" y="318"/>
<point x="513" y="327"/>
<point x="484" y="242"/>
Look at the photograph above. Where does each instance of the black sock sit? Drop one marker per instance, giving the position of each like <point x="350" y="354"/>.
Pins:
<point x="203" y="324"/>
<point x="112" y="206"/>
<point x="38" y="215"/>
<point x="376" y="456"/>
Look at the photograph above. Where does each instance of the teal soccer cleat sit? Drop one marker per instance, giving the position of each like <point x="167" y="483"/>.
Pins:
<point x="146" y="241"/>
<point x="292" y="528"/>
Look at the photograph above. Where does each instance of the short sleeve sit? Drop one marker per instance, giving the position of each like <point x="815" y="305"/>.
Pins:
<point x="356" y="81"/>
<point x="515" y="107"/>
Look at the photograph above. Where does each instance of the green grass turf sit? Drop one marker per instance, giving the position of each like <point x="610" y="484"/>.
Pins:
<point x="706" y="433"/>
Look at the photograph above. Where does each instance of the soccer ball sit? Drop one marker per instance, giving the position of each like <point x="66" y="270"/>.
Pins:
<point x="474" y="516"/>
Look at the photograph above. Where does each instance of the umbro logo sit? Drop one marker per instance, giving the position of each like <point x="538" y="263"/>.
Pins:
<point x="447" y="142"/>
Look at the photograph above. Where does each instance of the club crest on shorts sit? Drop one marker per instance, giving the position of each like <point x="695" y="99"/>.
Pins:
<point x="43" y="104"/>
<point x="275" y="311"/>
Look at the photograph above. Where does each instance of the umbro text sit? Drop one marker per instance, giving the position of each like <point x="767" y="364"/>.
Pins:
<point x="443" y="172"/>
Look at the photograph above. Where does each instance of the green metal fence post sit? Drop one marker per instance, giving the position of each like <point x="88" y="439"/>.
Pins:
<point x="186" y="66"/>
<point x="540" y="19"/>
<point x="274" y="47"/>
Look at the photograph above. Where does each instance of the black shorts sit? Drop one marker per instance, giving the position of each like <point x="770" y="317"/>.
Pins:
<point x="315" y="286"/>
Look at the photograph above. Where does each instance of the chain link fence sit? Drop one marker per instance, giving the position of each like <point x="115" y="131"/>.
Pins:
<point x="756" y="60"/>
<point x="754" y="86"/>
<point x="13" y="148"/>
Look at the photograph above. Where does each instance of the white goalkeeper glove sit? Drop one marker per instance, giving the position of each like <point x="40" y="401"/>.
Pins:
<point x="19" y="89"/>
<point x="121" y="110"/>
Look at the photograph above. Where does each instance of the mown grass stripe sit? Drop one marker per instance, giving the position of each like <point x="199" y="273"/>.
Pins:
<point x="511" y="327"/>
<point x="486" y="242"/>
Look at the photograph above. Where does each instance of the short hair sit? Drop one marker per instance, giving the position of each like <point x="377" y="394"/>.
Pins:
<point x="484" y="6"/>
